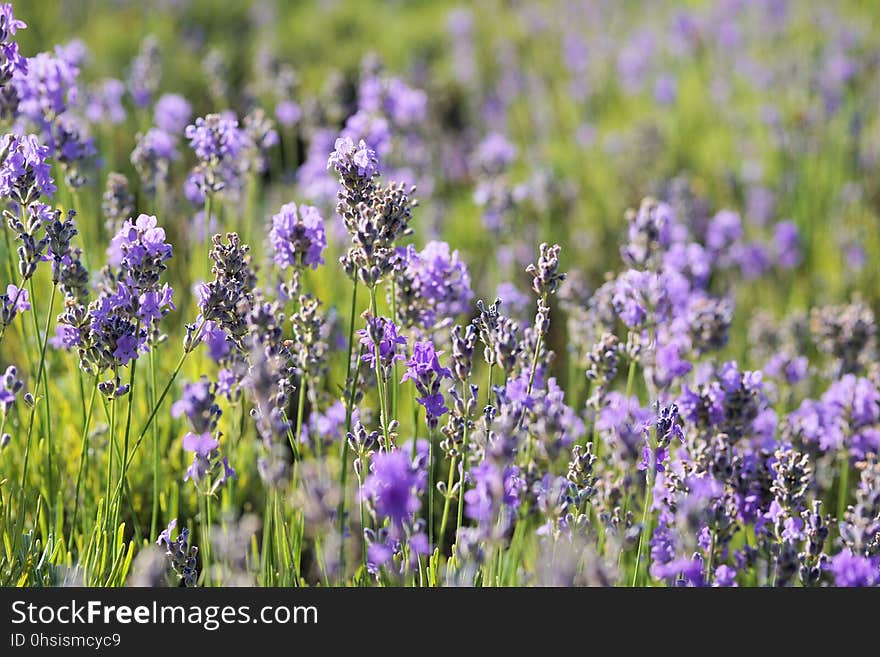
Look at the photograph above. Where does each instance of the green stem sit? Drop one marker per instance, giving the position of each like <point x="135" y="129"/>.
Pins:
<point x="127" y="435"/>
<point x="47" y="414"/>
<point x="155" y="410"/>
<point x="464" y="465"/>
<point x="151" y="397"/>
<point x="351" y="384"/>
<point x="85" y="450"/>
<point x="301" y="402"/>
<point x="395" y="384"/>
<point x="430" y="489"/>
<point x="649" y="489"/>
<point x="630" y="377"/>
<point x="206" y="539"/>
<point x="110" y="445"/>
<point x="843" y="486"/>
<point x="207" y="248"/>
<point x="27" y="449"/>
<point x="380" y="382"/>
<point x="450" y="481"/>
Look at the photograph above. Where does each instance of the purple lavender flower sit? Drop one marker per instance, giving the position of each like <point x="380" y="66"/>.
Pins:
<point x="288" y="113"/>
<point x="105" y="103"/>
<point x="787" y="245"/>
<point x="23" y="167"/>
<point x="297" y="237"/>
<point x="724" y="231"/>
<point x="494" y="154"/>
<point x="388" y="342"/>
<point x="152" y="158"/>
<point x="216" y="138"/>
<point x="433" y="285"/>
<point x="143" y="78"/>
<point x="424" y="365"/>
<point x="666" y="90"/>
<point x="202" y="445"/>
<point x="496" y="490"/>
<point x="853" y="570"/>
<point x="216" y="339"/>
<point x="16" y="300"/>
<point x="172" y="113"/>
<point x="350" y="159"/>
<point x="641" y="298"/>
<point x="66" y="337"/>
<point x="10" y="385"/>
<point x="46" y="88"/>
<point x="140" y="243"/>
<point x="392" y="486"/>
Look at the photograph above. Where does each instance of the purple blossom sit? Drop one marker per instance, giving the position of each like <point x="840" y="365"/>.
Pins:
<point x="297" y="237"/>
<point x="16" y="299"/>
<point x="725" y="576"/>
<point x="216" y="138"/>
<point x="853" y="570"/>
<point x="66" y="337"/>
<point x="217" y="341"/>
<point x="105" y="103"/>
<point x="172" y="113"/>
<point x="495" y="489"/>
<point x="126" y="349"/>
<point x="349" y="159"/>
<point x="288" y="113"/>
<point x="139" y="244"/>
<point x="328" y="425"/>
<point x="388" y="343"/>
<point x="424" y="364"/>
<point x="787" y="244"/>
<point x="10" y="385"/>
<point x="753" y="260"/>
<point x="47" y="88"/>
<point x="435" y="405"/>
<point x="392" y="486"/>
<point x="202" y="446"/>
<point x="652" y="458"/>
<point x="495" y="154"/>
<point x="640" y="298"/>
<point x="437" y="282"/>
<point x="24" y="163"/>
<point x="725" y="229"/>
<point x="202" y="443"/>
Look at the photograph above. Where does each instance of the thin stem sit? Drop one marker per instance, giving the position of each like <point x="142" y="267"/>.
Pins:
<point x="110" y="445"/>
<point x="125" y="461"/>
<point x="206" y="536"/>
<point x="151" y="397"/>
<point x="12" y="304"/>
<point x="47" y="415"/>
<point x="301" y="402"/>
<point x="351" y="384"/>
<point x="207" y="268"/>
<point x="843" y="486"/>
<point x="630" y="377"/>
<point x="489" y="385"/>
<point x="430" y="489"/>
<point x="450" y="481"/>
<point x="27" y="449"/>
<point x="649" y="489"/>
<point x="85" y="451"/>
<point x="710" y="560"/>
<point x="462" y="479"/>
<point x="155" y="410"/>
<point x="383" y="412"/>
<point x="395" y="384"/>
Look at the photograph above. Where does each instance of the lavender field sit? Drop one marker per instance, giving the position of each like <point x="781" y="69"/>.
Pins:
<point x="517" y="293"/>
